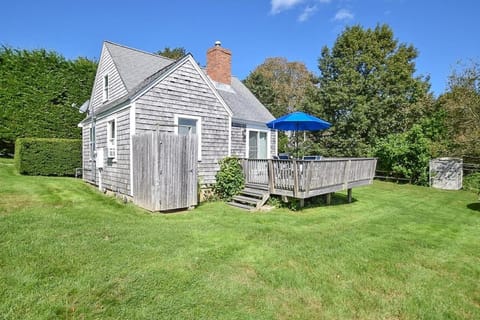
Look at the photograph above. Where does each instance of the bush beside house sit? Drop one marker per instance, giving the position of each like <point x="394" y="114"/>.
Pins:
<point x="229" y="179"/>
<point x="48" y="157"/>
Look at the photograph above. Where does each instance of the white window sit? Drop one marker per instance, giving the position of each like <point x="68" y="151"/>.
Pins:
<point x="105" y="88"/>
<point x="92" y="142"/>
<point x="257" y="144"/>
<point x="112" y="139"/>
<point x="185" y="125"/>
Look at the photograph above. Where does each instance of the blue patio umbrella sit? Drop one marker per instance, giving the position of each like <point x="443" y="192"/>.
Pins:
<point x="299" y="121"/>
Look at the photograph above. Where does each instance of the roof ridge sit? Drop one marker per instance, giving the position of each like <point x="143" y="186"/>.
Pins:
<point x="137" y="50"/>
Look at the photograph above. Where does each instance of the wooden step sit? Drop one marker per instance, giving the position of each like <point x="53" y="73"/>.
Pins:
<point x="252" y="193"/>
<point x="241" y="205"/>
<point x="250" y="197"/>
<point x="263" y="187"/>
<point x="247" y="200"/>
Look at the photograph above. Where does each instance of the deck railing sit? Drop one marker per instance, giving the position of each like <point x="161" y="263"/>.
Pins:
<point x="308" y="178"/>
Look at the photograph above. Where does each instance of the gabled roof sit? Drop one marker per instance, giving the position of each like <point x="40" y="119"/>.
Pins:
<point x="139" y="70"/>
<point x="133" y="65"/>
<point x="144" y="83"/>
<point x="245" y="106"/>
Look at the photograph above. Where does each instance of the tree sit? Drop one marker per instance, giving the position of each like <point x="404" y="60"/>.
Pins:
<point x="37" y="91"/>
<point x="175" y="53"/>
<point x="280" y="85"/>
<point x="462" y="106"/>
<point x="368" y="90"/>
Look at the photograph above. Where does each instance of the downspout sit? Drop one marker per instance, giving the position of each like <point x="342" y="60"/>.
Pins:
<point x="94" y="156"/>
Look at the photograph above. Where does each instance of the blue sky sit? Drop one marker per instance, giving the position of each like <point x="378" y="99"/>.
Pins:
<point x="444" y="31"/>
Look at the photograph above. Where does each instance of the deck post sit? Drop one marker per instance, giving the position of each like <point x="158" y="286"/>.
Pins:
<point x="245" y="169"/>
<point x="271" y="176"/>
<point x="328" y="198"/>
<point x="295" y="178"/>
<point x="349" y="195"/>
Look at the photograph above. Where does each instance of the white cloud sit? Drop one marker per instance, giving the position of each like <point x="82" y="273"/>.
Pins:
<point x="343" y="14"/>
<point x="307" y="13"/>
<point x="281" y="5"/>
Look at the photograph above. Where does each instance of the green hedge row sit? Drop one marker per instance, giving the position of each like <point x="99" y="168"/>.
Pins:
<point x="48" y="157"/>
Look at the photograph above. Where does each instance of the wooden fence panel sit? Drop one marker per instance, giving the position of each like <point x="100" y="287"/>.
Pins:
<point x="165" y="171"/>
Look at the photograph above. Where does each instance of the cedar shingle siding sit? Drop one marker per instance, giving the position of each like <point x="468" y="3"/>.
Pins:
<point x="146" y="91"/>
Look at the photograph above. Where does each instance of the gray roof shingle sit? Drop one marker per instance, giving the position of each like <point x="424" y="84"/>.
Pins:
<point x="139" y="69"/>
<point x="245" y="106"/>
<point x="134" y="65"/>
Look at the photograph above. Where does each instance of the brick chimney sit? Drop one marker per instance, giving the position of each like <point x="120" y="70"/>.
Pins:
<point x="219" y="64"/>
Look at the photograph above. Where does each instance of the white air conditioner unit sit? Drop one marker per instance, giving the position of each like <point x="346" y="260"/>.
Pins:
<point x="111" y="152"/>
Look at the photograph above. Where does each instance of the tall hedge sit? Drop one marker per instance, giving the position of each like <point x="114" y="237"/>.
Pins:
<point x="48" y="157"/>
<point x="40" y="92"/>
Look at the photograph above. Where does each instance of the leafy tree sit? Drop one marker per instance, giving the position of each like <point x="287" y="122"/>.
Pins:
<point x="462" y="106"/>
<point x="280" y="85"/>
<point x="175" y="53"/>
<point x="37" y="91"/>
<point x="368" y="90"/>
<point x="262" y="89"/>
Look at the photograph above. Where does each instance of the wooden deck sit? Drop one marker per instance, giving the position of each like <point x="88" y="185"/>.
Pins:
<point x="306" y="178"/>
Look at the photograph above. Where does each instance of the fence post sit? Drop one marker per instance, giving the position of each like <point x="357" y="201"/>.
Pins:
<point x="347" y="172"/>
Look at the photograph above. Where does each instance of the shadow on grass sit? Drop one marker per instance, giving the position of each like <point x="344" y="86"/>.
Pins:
<point x="474" y="206"/>
<point x="338" y="199"/>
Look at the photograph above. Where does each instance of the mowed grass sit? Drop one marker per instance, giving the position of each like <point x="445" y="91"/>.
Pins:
<point x="397" y="252"/>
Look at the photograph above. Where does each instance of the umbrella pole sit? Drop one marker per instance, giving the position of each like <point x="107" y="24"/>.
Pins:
<point x="296" y="138"/>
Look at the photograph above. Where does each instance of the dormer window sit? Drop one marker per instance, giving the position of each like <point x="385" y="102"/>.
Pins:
<point x="105" y="87"/>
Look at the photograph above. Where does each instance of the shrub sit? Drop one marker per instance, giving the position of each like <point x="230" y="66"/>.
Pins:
<point x="405" y="154"/>
<point x="229" y="179"/>
<point x="471" y="182"/>
<point x="48" y="157"/>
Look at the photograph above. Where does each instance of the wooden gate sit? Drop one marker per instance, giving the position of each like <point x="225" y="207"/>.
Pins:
<point x="164" y="171"/>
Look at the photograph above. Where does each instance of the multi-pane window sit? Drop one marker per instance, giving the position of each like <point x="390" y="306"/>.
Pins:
<point x="187" y="126"/>
<point x="190" y="125"/>
<point x="257" y="144"/>
<point x="112" y="139"/>
<point x="105" y="88"/>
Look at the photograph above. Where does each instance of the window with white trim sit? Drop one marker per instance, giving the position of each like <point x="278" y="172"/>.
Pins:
<point x="105" y="94"/>
<point x="185" y="125"/>
<point x="112" y="139"/>
<point x="257" y="144"/>
<point x="92" y="142"/>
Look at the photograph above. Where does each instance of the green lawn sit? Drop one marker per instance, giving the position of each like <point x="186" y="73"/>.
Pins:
<point x="397" y="252"/>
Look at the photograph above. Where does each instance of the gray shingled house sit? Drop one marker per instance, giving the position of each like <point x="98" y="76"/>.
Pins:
<point x="136" y="92"/>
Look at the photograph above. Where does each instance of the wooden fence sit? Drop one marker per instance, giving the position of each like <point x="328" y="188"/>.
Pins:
<point x="164" y="171"/>
<point x="306" y="178"/>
